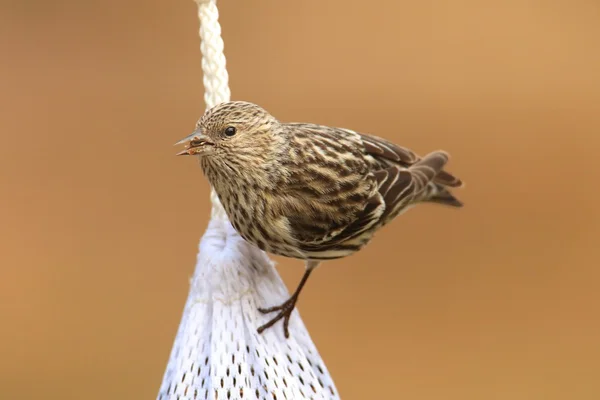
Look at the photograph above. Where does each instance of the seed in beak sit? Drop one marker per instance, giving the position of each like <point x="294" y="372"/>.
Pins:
<point x="197" y="143"/>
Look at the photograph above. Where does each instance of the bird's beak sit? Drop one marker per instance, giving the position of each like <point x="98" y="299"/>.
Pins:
<point x="195" y="143"/>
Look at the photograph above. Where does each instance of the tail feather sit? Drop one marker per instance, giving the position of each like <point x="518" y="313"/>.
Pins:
<point x="426" y="169"/>
<point x="429" y="171"/>
<point x="444" y="197"/>
<point x="447" y="179"/>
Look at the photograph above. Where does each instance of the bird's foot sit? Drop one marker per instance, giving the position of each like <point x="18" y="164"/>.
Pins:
<point x="285" y="311"/>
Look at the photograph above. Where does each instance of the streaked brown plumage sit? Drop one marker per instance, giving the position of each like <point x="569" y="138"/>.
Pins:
<point x="310" y="191"/>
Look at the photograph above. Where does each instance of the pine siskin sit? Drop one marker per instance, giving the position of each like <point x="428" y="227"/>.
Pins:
<point x="309" y="191"/>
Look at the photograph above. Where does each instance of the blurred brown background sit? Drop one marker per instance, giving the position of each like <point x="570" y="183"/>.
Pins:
<point x="99" y="221"/>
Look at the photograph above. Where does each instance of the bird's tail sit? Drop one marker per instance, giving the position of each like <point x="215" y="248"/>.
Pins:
<point x="429" y="171"/>
<point x="442" y="195"/>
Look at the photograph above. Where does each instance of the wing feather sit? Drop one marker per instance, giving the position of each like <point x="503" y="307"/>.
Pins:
<point x="382" y="149"/>
<point x="401" y="186"/>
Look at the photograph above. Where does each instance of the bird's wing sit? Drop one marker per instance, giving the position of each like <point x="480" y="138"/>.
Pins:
<point x="340" y="194"/>
<point x="331" y="193"/>
<point x="394" y="189"/>
<point x="327" y="238"/>
<point x="378" y="147"/>
<point x="383" y="150"/>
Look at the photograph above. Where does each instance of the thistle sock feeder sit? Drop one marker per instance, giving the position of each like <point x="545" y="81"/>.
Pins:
<point x="218" y="353"/>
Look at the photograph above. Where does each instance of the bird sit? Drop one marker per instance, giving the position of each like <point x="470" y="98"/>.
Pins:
<point x="309" y="191"/>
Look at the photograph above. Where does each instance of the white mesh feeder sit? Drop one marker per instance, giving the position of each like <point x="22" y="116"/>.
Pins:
<point x="218" y="353"/>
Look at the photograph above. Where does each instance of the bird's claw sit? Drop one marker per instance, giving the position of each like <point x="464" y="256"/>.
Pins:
<point x="285" y="311"/>
<point x="291" y="302"/>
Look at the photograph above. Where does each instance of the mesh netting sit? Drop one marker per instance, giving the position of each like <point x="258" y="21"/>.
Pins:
<point x="218" y="354"/>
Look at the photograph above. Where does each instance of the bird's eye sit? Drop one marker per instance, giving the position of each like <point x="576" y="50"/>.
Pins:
<point x="230" y="131"/>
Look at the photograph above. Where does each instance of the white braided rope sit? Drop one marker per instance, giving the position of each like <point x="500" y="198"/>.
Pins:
<point x="217" y="352"/>
<point x="216" y="78"/>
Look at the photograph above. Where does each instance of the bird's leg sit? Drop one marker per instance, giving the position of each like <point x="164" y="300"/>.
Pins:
<point x="285" y="309"/>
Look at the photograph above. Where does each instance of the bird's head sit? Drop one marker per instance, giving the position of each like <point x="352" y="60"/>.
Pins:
<point x="231" y="130"/>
